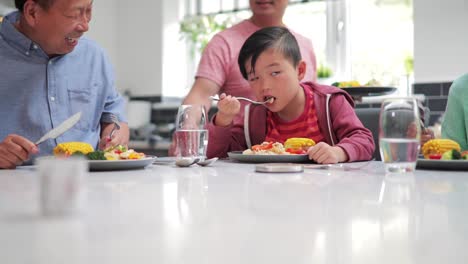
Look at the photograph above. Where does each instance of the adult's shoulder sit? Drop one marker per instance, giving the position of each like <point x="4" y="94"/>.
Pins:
<point x="243" y="29"/>
<point x="460" y="86"/>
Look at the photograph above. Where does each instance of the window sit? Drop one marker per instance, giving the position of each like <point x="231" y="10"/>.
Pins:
<point x="359" y="39"/>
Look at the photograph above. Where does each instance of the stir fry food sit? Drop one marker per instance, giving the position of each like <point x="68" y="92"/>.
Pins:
<point x="291" y="146"/>
<point x="84" y="149"/>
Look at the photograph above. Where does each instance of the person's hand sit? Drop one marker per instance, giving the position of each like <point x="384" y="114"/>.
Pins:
<point x="426" y="135"/>
<point x="228" y="107"/>
<point x="14" y="150"/>
<point x="120" y="137"/>
<point x="325" y="154"/>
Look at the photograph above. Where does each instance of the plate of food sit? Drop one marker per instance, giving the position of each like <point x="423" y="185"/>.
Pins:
<point x="128" y="164"/>
<point x="293" y="150"/>
<point x="371" y="88"/>
<point x="442" y="154"/>
<point x="432" y="164"/>
<point x="113" y="158"/>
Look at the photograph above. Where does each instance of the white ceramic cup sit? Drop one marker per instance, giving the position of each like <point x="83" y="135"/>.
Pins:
<point x="62" y="185"/>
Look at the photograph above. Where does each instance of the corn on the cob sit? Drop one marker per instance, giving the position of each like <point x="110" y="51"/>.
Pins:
<point x="439" y="146"/>
<point x="299" y="143"/>
<point x="68" y="148"/>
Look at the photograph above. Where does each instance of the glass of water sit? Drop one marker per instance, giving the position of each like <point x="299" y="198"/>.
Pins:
<point x="399" y="134"/>
<point x="191" y="133"/>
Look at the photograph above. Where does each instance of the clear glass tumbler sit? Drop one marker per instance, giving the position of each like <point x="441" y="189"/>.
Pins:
<point x="399" y="134"/>
<point x="191" y="133"/>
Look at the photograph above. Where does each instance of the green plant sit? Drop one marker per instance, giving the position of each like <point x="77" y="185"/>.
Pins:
<point x="409" y="64"/>
<point x="324" y="71"/>
<point x="198" y="30"/>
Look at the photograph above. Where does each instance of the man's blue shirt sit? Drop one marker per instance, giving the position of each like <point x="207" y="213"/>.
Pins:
<point x="38" y="93"/>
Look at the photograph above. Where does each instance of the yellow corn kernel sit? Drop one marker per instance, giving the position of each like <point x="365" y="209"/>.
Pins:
<point x="299" y="143"/>
<point x="439" y="146"/>
<point x="68" y="148"/>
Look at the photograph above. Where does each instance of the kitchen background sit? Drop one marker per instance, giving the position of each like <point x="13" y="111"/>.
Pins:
<point x="143" y="41"/>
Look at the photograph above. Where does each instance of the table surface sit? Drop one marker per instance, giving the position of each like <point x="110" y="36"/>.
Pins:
<point x="228" y="213"/>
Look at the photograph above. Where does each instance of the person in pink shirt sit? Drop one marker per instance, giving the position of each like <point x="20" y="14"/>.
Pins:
<point x="271" y="62"/>
<point x="218" y="71"/>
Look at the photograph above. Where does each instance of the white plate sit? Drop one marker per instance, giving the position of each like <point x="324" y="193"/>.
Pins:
<point x="461" y="165"/>
<point x="238" y="156"/>
<point x="106" y="165"/>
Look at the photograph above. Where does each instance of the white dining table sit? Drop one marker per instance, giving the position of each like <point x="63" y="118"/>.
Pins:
<point x="228" y="213"/>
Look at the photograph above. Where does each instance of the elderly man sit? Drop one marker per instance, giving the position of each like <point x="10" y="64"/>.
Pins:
<point x="48" y="73"/>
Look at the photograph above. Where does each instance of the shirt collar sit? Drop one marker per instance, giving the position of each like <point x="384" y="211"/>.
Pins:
<point x="17" y="39"/>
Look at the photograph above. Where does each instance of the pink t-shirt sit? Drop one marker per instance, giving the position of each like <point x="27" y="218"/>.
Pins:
<point x="219" y="60"/>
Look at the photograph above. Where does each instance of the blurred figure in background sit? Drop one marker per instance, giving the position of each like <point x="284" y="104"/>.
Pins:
<point x="455" y="121"/>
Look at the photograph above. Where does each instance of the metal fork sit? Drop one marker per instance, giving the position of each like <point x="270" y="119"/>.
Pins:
<point x="114" y="120"/>
<point x="245" y="99"/>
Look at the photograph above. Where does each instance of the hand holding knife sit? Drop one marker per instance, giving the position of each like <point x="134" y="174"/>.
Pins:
<point x="15" y="149"/>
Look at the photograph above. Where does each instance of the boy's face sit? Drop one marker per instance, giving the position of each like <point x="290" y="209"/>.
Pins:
<point x="275" y="76"/>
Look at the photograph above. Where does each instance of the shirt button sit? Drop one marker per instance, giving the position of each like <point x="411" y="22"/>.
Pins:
<point x="50" y="62"/>
<point x="52" y="98"/>
<point x="27" y="52"/>
<point x="34" y="46"/>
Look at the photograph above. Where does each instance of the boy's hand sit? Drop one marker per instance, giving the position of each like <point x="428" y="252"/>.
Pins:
<point x="325" y="154"/>
<point x="228" y="107"/>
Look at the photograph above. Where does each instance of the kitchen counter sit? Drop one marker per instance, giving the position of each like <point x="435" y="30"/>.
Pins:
<point x="228" y="213"/>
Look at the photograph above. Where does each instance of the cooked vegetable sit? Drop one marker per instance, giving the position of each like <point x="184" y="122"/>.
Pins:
<point x="69" y="148"/>
<point x="346" y="84"/>
<point x="96" y="155"/>
<point x="295" y="151"/>
<point x="451" y="155"/>
<point x="263" y="146"/>
<point x="464" y="155"/>
<point x="299" y="143"/>
<point x="439" y="146"/>
<point x="435" y="156"/>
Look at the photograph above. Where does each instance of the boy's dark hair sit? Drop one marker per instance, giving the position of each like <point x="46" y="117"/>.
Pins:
<point x="43" y="3"/>
<point x="279" y="38"/>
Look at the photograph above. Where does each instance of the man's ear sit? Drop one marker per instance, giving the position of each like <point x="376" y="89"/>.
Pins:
<point x="30" y="12"/>
<point x="301" y="70"/>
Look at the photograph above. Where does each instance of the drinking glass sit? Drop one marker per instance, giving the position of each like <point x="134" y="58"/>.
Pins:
<point x="399" y="134"/>
<point x="191" y="133"/>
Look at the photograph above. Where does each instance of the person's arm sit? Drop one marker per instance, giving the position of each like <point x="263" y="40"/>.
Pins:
<point x="201" y="91"/>
<point x="454" y="125"/>
<point x="354" y="138"/>
<point x="14" y="150"/>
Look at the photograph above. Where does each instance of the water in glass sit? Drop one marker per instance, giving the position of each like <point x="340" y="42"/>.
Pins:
<point x="192" y="143"/>
<point x="399" y="134"/>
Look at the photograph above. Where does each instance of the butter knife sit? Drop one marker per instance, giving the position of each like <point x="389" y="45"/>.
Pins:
<point x="67" y="124"/>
